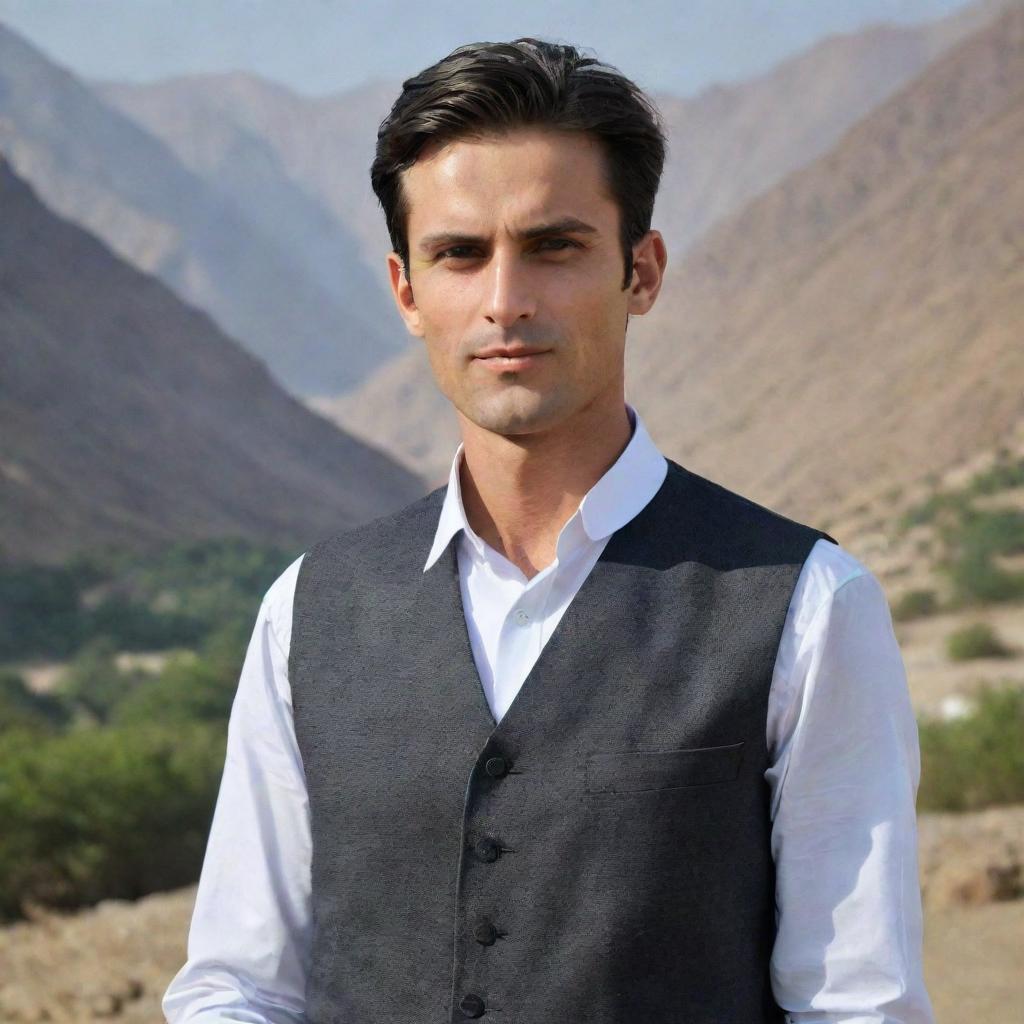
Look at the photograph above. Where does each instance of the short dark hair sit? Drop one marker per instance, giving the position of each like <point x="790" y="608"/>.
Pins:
<point x="480" y="88"/>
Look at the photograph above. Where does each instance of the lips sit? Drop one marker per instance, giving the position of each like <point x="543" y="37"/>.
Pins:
<point x="509" y="351"/>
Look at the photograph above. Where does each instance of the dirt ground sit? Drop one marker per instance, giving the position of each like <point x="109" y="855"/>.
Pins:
<point x="974" y="963"/>
<point x="114" y="961"/>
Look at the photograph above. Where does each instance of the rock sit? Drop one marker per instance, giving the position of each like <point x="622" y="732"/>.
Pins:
<point x="970" y="859"/>
<point x="106" y="1005"/>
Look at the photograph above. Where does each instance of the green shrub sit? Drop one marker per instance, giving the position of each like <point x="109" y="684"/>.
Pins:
<point x="1005" y="473"/>
<point x="189" y="688"/>
<point x="971" y="543"/>
<point x="996" y="531"/>
<point x="941" y="504"/>
<point x="133" y="625"/>
<point x="92" y="684"/>
<point x="977" y="640"/>
<point x="976" y="581"/>
<point x="20" y="708"/>
<point x="39" y="611"/>
<point x="171" y="597"/>
<point x="977" y="761"/>
<point x="104" y="813"/>
<point x="915" y="604"/>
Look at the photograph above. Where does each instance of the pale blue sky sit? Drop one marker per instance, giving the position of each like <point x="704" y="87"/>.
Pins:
<point x="321" y="46"/>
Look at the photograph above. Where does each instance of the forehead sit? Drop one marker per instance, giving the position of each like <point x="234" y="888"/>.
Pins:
<point x="517" y="176"/>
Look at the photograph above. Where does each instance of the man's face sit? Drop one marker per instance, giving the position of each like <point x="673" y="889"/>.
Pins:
<point x="514" y="248"/>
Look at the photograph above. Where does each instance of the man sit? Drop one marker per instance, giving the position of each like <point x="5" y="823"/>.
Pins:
<point x="582" y="736"/>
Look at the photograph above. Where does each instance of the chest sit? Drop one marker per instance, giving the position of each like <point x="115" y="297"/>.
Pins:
<point x="390" y="706"/>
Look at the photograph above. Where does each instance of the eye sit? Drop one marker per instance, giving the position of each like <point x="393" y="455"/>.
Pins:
<point x="454" y="252"/>
<point x="468" y="252"/>
<point x="560" y="243"/>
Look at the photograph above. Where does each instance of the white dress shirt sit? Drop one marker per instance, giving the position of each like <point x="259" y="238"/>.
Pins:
<point x="842" y="740"/>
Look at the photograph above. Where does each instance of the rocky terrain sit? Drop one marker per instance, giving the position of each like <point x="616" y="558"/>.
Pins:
<point x="114" y="961"/>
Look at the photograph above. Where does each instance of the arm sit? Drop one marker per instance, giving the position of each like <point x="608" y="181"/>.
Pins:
<point x="844" y="784"/>
<point x="249" y="938"/>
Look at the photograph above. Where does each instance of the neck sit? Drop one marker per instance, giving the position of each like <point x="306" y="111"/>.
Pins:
<point x="518" y="491"/>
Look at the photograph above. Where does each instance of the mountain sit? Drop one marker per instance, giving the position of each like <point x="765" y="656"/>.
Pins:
<point x="857" y="324"/>
<point x="726" y="144"/>
<point x="731" y="142"/>
<point x="129" y="417"/>
<point x="852" y="328"/>
<point x="263" y="257"/>
<point x="323" y="145"/>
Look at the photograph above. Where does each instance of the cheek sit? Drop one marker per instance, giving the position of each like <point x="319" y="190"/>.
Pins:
<point x="452" y="289"/>
<point x="599" y="325"/>
<point x="448" y="313"/>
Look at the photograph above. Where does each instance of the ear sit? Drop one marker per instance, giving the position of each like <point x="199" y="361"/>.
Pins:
<point x="649" y="259"/>
<point x="402" y="291"/>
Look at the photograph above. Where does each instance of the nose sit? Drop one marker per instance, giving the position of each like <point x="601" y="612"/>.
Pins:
<point x="508" y="292"/>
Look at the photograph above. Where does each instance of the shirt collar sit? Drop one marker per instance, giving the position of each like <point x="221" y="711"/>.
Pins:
<point x="627" y="486"/>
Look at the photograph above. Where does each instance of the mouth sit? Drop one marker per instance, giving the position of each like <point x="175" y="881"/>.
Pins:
<point x="514" y="357"/>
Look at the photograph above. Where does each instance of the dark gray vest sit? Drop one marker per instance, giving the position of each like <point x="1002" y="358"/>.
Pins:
<point x="602" y="854"/>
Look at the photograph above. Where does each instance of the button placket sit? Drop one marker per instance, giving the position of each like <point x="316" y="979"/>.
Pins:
<point x="483" y="930"/>
<point x="519" y="640"/>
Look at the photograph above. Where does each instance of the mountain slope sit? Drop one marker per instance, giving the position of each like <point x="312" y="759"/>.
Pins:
<point x="856" y="324"/>
<point x="851" y="329"/>
<point x="127" y="416"/>
<point x="324" y="145"/>
<point x="729" y="143"/>
<point x="726" y="144"/>
<point x="315" y="315"/>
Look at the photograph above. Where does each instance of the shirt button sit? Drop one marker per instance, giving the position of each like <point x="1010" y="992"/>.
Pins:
<point x="471" y="1005"/>
<point x="484" y="932"/>
<point x="487" y="849"/>
<point x="521" y="617"/>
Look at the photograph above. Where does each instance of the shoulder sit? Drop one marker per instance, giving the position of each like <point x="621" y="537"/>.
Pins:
<point x="387" y="544"/>
<point x="838" y="624"/>
<point x="276" y="607"/>
<point x="828" y="571"/>
<point x="377" y="541"/>
<point x="742" y="530"/>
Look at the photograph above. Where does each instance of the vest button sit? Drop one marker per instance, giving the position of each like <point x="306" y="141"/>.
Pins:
<point x="487" y="849"/>
<point x="471" y="1005"/>
<point x="496" y="766"/>
<point x="484" y="932"/>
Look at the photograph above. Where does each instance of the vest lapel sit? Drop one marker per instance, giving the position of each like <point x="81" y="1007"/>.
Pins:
<point x="598" y="601"/>
<point x="439" y="606"/>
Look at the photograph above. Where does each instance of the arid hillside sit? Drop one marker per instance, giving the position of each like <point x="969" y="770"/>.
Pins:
<point x="726" y="144"/>
<point x="128" y="417"/>
<point x="858" y="326"/>
<point x="731" y="142"/>
<point x="853" y="329"/>
<point x="249" y="246"/>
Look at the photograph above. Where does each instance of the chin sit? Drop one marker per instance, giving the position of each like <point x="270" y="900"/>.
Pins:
<point x="519" y="414"/>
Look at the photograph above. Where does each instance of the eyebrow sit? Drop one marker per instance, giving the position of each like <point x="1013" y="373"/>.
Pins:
<point x="563" y="226"/>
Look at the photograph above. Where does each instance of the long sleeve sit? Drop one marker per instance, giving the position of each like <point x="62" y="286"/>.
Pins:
<point x="248" y="944"/>
<point x="843" y="786"/>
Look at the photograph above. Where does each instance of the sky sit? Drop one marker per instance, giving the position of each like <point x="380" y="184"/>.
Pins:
<point x="323" y="46"/>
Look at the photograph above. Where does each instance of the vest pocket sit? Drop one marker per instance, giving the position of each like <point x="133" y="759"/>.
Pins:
<point x="636" y="771"/>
